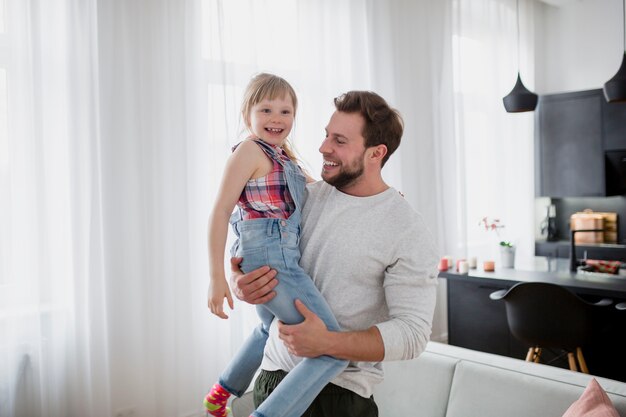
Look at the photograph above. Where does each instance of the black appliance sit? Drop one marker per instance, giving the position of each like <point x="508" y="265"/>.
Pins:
<point x="615" y="172"/>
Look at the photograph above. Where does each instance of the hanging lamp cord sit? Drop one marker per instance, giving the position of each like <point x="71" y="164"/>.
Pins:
<point x="624" y="23"/>
<point x="518" y="51"/>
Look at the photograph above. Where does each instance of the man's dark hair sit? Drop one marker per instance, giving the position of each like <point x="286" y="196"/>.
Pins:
<point x="383" y="124"/>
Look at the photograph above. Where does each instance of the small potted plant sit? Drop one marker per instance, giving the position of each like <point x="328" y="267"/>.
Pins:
<point x="507" y="249"/>
<point x="507" y="254"/>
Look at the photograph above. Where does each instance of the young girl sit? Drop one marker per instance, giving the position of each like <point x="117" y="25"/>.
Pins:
<point x="264" y="181"/>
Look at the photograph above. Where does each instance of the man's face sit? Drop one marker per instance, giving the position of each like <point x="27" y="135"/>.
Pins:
<point x="343" y="150"/>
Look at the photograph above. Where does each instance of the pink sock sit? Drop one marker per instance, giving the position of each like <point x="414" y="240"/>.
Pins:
<point x="215" y="401"/>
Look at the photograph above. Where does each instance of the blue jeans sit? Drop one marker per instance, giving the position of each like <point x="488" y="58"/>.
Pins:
<point x="274" y="242"/>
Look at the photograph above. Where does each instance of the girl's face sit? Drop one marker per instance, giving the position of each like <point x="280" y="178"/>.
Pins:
<point x="272" y="120"/>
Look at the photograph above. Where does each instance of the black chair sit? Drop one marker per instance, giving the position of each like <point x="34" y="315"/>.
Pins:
<point x="549" y="316"/>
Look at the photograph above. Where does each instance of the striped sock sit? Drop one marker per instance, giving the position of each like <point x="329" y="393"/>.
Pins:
<point x="215" y="401"/>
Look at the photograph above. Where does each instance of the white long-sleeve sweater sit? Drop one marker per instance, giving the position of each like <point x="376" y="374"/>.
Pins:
<point x="374" y="261"/>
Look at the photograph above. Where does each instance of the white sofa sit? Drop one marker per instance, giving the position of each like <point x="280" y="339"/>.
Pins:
<point x="449" y="381"/>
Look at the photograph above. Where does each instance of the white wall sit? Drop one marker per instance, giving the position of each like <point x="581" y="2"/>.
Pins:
<point x="579" y="45"/>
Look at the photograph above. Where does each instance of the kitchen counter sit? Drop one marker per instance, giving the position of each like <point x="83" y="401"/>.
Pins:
<point x="582" y="283"/>
<point x="477" y="322"/>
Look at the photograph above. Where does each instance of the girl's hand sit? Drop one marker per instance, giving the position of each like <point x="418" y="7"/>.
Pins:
<point x="218" y="290"/>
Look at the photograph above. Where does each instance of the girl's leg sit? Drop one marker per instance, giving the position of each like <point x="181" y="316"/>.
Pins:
<point x="300" y="387"/>
<point x="298" y="390"/>
<point x="238" y="374"/>
<point x="241" y="369"/>
<point x="294" y="283"/>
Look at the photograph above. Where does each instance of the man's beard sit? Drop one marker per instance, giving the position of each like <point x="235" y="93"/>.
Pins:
<point x="346" y="177"/>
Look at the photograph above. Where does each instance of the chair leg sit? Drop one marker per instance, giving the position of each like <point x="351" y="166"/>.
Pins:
<point x="581" y="360"/>
<point x="534" y="354"/>
<point x="572" y="361"/>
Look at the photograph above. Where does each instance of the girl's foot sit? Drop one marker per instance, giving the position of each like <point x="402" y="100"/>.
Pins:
<point x="215" y="401"/>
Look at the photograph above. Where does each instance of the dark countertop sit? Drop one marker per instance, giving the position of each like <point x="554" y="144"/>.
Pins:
<point x="561" y="248"/>
<point x="590" y="284"/>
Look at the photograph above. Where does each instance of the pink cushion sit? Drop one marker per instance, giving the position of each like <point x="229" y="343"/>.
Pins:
<point x="592" y="403"/>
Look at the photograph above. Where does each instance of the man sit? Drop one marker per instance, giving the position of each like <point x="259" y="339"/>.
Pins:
<point x="369" y="253"/>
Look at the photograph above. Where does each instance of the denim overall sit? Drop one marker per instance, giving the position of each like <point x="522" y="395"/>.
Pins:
<point x="274" y="242"/>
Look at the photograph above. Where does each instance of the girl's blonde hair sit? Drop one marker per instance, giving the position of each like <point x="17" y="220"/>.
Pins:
<point x="268" y="86"/>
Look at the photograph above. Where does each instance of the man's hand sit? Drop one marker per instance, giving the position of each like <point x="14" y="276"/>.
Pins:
<point x="308" y="339"/>
<point x="255" y="287"/>
<point x="311" y="339"/>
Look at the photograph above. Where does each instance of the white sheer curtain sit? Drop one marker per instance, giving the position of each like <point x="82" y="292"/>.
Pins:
<point x="490" y="164"/>
<point x="483" y="155"/>
<point x="53" y="323"/>
<point x="160" y="346"/>
<point x="101" y="298"/>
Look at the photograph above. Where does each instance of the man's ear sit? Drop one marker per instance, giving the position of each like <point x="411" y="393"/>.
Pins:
<point x="377" y="153"/>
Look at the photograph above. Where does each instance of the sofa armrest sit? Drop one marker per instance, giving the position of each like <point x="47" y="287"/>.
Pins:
<point x="242" y="406"/>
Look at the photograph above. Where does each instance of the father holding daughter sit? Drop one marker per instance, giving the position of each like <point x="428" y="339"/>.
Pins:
<point x="369" y="254"/>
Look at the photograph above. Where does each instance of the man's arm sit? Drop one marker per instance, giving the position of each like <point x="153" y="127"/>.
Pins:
<point x="311" y="338"/>
<point x="255" y="287"/>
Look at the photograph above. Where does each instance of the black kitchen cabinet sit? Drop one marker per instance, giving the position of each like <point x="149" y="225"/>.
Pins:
<point x="614" y="125"/>
<point x="569" y="143"/>
<point x="476" y="322"/>
<point x="573" y="132"/>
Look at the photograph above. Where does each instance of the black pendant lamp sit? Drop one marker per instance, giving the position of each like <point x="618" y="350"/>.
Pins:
<point x="615" y="88"/>
<point x="520" y="99"/>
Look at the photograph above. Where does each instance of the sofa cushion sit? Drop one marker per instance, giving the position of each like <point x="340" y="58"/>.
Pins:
<point x="491" y="385"/>
<point x="593" y="403"/>
<point x="480" y="390"/>
<point x="419" y="386"/>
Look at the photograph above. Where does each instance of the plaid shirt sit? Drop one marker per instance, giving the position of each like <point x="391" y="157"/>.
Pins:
<point x="268" y="196"/>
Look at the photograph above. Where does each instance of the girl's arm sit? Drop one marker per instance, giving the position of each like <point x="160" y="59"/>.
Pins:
<point x="247" y="161"/>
